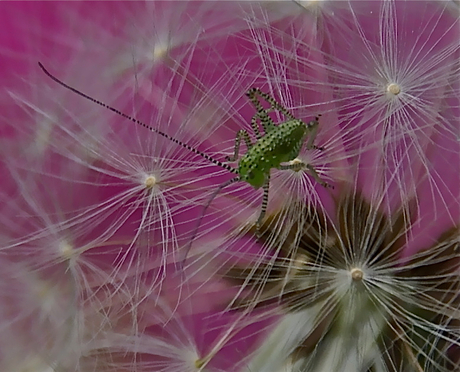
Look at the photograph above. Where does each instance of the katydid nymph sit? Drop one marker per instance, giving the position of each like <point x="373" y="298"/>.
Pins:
<point x="276" y="148"/>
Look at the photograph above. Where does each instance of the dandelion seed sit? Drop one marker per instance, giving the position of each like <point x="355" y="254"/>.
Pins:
<point x="356" y="274"/>
<point x="394" y="89"/>
<point x="388" y="85"/>
<point x="66" y="250"/>
<point x="150" y="182"/>
<point x="392" y="313"/>
<point x="37" y="325"/>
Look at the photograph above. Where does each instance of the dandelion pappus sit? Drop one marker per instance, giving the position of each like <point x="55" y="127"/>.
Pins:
<point x="280" y="144"/>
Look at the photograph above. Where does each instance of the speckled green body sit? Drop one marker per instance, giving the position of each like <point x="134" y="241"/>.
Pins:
<point x="281" y="144"/>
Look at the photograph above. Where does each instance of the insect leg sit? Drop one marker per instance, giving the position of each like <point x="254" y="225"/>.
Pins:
<point x="316" y="176"/>
<point x="310" y="169"/>
<point x="241" y="134"/>
<point x="312" y="131"/>
<point x="263" y="209"/>
<point x="255" y="126"/>
<point x="253" y="92"/>
<point x="297" y="166"/>
<point x="262" y="114"/>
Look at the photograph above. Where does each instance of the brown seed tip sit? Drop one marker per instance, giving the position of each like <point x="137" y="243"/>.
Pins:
<point x="394" y="89"/>
<point x="356" y="274"/>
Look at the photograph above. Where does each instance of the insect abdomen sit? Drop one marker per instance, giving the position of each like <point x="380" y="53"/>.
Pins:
<point x="281" y="144"/>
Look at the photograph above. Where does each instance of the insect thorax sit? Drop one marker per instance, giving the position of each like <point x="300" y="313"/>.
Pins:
<point x="281" y="144"/>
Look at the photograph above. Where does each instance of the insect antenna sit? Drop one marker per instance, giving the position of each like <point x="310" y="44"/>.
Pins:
<point x="208" y="203"/>
<point x="136" y="121"/>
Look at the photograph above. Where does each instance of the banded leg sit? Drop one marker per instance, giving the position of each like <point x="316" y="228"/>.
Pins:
<point x="262" y="113"/>
<point x="313" y="130"/>
<point x="295" y="167"/>
<point x="315" y="175"/>
<point x="263" y="209"/>
<point x="255" y="126"/>
<point x="254" y="92"/>
<point x="240" y="134"/>
<point x="266" y="125"/>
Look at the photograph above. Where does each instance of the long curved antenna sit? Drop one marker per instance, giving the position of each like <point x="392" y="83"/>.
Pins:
<point x="208" y="203"/>
<point x="118" y="112"/>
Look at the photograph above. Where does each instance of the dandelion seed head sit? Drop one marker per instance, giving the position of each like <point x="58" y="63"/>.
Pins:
<point x="66" y="249"/>
<point x="199" y="363"/>
<point x="150" y="181"/>
<point x="357" y="274"/>
<point x="158" y="52"/>
<point x="393" y="89"/>
<point x="355" y="280"/>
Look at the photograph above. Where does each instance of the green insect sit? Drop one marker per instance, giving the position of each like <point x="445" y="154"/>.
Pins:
<point x="280" y="144"/>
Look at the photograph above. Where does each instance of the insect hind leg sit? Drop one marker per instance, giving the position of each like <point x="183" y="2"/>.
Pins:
<point x="313" y="130"/>
<point x="262" y="113"/>
<point x="310" y="170"/>
<point x="254" y="92"/>
<point x="263" y="209"/>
